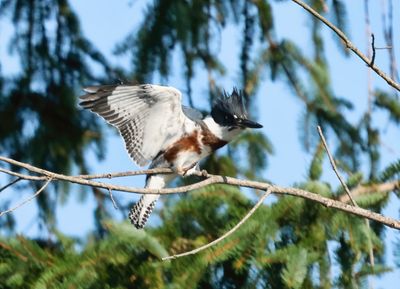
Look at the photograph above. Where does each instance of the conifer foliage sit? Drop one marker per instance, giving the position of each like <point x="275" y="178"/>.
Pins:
<point x="288" y="243"/>
<point x="42" y="124"/>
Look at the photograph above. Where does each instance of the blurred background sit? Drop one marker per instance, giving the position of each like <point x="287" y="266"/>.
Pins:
<point x="296" y="73"/>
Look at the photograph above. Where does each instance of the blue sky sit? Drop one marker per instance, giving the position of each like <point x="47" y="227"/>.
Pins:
<point x="106" y="23"/>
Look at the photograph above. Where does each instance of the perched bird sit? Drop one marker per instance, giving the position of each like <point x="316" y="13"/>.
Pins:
<point x="158" y="130"/>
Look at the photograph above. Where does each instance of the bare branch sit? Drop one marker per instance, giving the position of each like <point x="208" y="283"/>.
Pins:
<point x="332" y="161"/>
<point x="22" y="176"/>
<point x="89" y="177"/>
<point x="349" y="44"/>
<point x="369" y="113"/>
<point x="10" y="184"/>
<point x="216" y="179"/>
<point x="227" y="234"/>
<point x="373" y="50"/>
<point x="112" y="199"/>
<point x="127" y="174"/>
<point x="27" y="200"/>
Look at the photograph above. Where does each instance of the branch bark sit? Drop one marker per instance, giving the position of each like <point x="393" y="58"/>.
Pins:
<point x="333" y="164"/>
<point x="215" y="179"/>
<point x="27" y="200"/>
<point x="349" y="44"/>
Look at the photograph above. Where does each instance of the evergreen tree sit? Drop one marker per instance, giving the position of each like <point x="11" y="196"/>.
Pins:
<point x="41" y="123"/>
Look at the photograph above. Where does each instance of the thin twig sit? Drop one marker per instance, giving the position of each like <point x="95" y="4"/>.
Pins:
<point x="95" y="176"/>
<point x="227" y="234"/>
<point x="112" y="199"/>
<point x="216" y="179"/>
<point x="332" y="161"/>
<point x="10" y="184"/>
<point x="370" y="51"/>
<point x="22" y="176"/>
<point x="369" y="113"/>
<point x="27" y="200"/>
<point x="384" y="47"/>
<point x="373" y="50"/>
<point x="349" y="44"/>
<point x="127" y="174"/>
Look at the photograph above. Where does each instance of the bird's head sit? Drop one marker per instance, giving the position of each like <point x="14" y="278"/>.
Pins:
<point x="229" y="111"/>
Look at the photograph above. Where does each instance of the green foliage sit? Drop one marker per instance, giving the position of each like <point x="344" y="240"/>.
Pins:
<point x="58" y="266"/>
<point x="251" y="149"/>
<point x="272" y="248"/>
<point x="316" y="163"/>
<point x="391" y="171"/>
<point x="296" y="269"/>
<point x="265" y="16"/>
<point x="44" y="126"/>
<point x="339" y="17"/>
<point x="168" y="24"/>
<point x="390" y="103"/>
<point x="53" y="63"/>
<point x="371" y="199"/>
<point x="355" y="179"/>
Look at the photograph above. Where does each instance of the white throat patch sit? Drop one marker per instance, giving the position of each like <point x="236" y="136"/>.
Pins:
<point x="221" y="132"/>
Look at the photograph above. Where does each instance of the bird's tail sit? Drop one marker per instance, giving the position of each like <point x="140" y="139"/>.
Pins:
<point x="141" y="211"/>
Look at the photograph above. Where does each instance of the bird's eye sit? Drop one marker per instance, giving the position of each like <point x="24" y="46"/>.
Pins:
<point x="228" y="119"/>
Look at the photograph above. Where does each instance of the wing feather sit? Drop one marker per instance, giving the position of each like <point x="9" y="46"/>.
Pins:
<point x="148" y="117"/>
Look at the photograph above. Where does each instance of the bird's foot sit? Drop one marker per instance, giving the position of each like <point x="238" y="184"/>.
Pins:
<point x="187" y="171"/>
<point x="192" y="171"/>
<point x="181" y="171"/>
<point x="204" y="173"/>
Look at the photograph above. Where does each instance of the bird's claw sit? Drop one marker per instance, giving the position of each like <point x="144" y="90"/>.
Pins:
<point x="181" y="172"/>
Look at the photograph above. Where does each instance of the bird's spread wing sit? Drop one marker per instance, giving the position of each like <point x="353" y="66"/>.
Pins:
<point x="149" y="117"/>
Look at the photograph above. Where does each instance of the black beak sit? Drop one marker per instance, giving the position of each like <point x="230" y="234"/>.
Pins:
<point x="250" y="123"/>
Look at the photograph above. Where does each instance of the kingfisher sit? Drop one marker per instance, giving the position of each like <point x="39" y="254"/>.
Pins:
<point x="158" y="130"/>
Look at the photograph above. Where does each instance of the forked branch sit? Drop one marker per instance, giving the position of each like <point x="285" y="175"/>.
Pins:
<point x="350" y="45"/>
<point x="210" y="179"/>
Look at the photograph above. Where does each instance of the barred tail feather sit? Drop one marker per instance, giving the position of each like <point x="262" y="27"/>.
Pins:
<point x="141" y="211"/>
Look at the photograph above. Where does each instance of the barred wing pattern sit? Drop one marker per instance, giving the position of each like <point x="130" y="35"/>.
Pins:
<point x="148" y="117"/>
